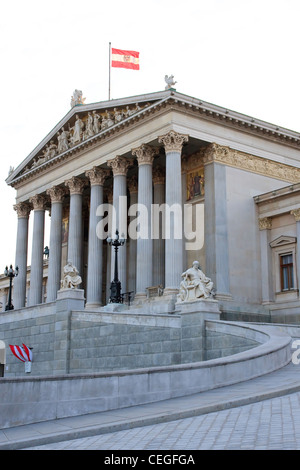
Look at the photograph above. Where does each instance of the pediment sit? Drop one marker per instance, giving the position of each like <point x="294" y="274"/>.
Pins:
<point x="83" y="124"/>
<point x="283" y="240"/>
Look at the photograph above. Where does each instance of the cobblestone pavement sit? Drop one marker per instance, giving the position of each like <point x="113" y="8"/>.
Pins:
<point x="269" y="424"/>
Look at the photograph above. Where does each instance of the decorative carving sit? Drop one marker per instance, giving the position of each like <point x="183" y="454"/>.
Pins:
<point x="62" y="140"/>
<point x="296" y="214"/>
<point x="71" y="277"/>
<point x="244" y="161"/>
<point x="265" y="223"/>
<point x="77" y="129"/>
<point x="23" y="209"/>
<point x="97" y="175"/>
<point x="158" y="176"/>
<point x="75" y="185"/>
<point x="194" y="285"/>
<point x="56" y="194"/>
<point x="86" y="127"/>
<point x="170" y="82"/>
<point x="145" y="154"/>
<point x="77" y="98"/>
<point x="119" y="165"/>
<point x="173" y="141"/>
<point x="38" y="202"/>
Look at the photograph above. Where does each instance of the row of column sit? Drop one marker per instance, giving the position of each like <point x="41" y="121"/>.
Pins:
<point x="171" y="248"/>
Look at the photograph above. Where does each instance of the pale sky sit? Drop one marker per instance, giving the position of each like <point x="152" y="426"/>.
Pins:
<point x="239" y="54"/>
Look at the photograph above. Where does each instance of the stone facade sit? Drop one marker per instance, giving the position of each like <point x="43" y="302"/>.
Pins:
<point x="225" y="184"/>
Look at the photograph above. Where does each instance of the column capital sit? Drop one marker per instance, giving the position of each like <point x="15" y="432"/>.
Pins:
<point x="119" y="165"/>
<point x="265" y="223"/>
<point x="39" y="202"/>
<point x="133" y="184"/>
<point x="56" y="193"/>
<point x="97" y="176"/>
<point x="296" y="214"/>
<point x="173" y="141"/>
<point x="75" y="185"/>
<point x="158" y="176"/>
<point x="145" y="154"/>
<point x="23" y="209"/>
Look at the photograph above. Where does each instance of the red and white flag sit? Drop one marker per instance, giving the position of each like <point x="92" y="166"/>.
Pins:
<point x="22" y="353"/>
<point x="125" y="59"/>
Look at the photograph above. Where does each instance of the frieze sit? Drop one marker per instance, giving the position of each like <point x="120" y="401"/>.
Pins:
<point x="245" y="161"/>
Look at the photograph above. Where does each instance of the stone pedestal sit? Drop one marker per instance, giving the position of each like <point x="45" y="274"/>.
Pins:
<point x="208" y="307"/>
<point x="70" y="299"/>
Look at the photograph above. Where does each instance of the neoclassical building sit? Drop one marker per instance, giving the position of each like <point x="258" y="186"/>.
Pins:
<point x="229" y="185"/>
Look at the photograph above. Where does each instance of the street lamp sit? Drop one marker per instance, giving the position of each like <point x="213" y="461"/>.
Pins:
<point x="115" y="285"/>
<point x="11" y="274"/>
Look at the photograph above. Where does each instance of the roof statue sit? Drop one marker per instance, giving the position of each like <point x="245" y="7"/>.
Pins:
<point x="169" y="81"/>
<point x="77" y="98"/>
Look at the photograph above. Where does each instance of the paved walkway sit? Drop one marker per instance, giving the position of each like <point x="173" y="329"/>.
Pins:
<point x="260" y="413"/>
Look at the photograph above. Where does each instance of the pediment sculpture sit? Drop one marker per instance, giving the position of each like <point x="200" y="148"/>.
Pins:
<point x="195" y="285"/>
<point x="84" y="127"/>
<point x="71" y="278"/>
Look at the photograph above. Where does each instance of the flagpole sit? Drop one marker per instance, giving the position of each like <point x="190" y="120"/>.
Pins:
<point x="109" y="71"/>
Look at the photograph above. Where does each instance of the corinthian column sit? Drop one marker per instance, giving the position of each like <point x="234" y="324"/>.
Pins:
<point x="54" y="270"/>
<point x="36" y="274"/>
<point x="158" y="242"/>
<point x="97" y="178"/>
<point x="133" y="192"/>
<point x="119" y="166"/>
<point x="145" y="156"/>
<point x="76" y="186"/>
<point x="23" y="210"/>
<point x="173" y="143"/>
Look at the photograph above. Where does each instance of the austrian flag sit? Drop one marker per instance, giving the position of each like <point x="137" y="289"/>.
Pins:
<point x="125" y="59"/>
<point x="24" y="354"/>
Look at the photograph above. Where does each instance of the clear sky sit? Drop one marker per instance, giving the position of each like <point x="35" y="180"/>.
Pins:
<point x="240" y="54"/>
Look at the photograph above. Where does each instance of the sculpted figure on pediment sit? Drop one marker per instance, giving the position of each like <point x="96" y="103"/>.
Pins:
<point x="128" y="112"/>
<point x="90" y="125"/>
<point x="110" y="119"/>
<point x="62" y="140"/>
<point x="77" y="131"/>
<point x="96" y="122"/>
<point x="118" y="115"/>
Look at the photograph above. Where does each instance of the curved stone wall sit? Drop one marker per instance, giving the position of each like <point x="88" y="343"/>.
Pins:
<point x="33" y="399"/>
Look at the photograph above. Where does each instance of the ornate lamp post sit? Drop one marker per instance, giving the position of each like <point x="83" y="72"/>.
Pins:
<point x="115" y="285"/>
<point x="11" y="274"/>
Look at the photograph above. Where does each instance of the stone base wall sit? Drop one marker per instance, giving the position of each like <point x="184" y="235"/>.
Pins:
<point x="67" y="340"/>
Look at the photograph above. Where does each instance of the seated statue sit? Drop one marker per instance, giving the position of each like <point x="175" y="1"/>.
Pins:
<point x="194" y="285"/>
<point x="71" y="277"/>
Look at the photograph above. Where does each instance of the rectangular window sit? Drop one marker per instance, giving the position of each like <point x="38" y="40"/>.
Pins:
<point x="286" y="272"/>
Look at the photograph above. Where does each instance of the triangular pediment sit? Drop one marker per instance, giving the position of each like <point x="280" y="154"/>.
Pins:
<point x="283" y="240"/>
<point x="82" y="124"/>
